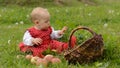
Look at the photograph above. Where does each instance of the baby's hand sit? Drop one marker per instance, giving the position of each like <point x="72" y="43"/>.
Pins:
<point x="37" y="41"/>
<point x="63" y="30"/>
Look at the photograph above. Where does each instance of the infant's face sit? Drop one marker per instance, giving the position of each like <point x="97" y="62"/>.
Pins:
<point x="44" y="23"/>
<point x="42" y="17"/>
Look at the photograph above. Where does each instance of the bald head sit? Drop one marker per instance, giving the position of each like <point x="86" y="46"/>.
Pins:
<point x="39" y="13"/>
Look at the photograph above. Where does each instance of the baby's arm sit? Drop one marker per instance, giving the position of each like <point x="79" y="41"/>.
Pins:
<point x="58" y="33"/>
<point x="29" y="40"/>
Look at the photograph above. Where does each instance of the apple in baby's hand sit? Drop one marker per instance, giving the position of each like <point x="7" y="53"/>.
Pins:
<point x="28" y="57"/>
<point x="55" y="60"/>
<point x="48" y="57"/>
<point x="34" y="59"/>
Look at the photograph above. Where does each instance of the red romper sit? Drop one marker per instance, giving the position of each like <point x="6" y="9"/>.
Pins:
<point x="37" y="50"/>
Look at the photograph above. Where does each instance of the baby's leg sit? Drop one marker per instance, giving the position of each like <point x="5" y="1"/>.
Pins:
<point x="35" y="51"/>
<point x="38" y="52"/>
<point x="56" y="45"/>
<point x="73" y="43"/>
<point x="61" y="46"/>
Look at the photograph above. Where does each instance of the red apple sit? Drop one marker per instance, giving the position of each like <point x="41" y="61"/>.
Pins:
<point x="55" y="60"/>
<point x="48" y="57"/>
<point x="41" y="62"/>
<point x="28" y="57"/>
<point x="44" y="62"/>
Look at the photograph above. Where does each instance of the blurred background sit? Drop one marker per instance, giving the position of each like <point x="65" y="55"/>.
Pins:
<point x="54" y="2"/>
<point x="102" y="16"/>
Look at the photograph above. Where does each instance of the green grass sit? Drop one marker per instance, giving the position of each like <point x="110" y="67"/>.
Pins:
<point x="95" y="17"/>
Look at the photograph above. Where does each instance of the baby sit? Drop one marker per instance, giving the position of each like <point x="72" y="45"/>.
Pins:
<point x="41" y="36"/>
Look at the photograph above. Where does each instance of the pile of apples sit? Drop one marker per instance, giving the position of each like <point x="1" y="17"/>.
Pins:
<point x="43" y="61"/>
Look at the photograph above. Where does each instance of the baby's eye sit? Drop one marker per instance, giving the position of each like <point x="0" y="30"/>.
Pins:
<point x="47" y="21"/>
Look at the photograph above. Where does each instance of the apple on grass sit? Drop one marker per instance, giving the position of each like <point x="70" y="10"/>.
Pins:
<point x="55" y="60"/>
<point x="48" y="57"/>
<point x="42" y="62"/>
<point x="28" y="57"/>
<point x="34" y="59"/>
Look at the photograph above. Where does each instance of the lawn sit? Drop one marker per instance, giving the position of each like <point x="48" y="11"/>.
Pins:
<point x="103" y="19"/>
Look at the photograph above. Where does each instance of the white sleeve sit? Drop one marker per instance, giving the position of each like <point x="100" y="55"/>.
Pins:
<point x="27" y="39"/>
<point x="54" y="34"/>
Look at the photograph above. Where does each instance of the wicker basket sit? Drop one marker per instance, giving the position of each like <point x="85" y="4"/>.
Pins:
<point x="87" y="51"/>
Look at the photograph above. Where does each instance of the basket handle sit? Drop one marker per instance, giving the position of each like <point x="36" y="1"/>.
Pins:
<point x="79" y="27"/>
